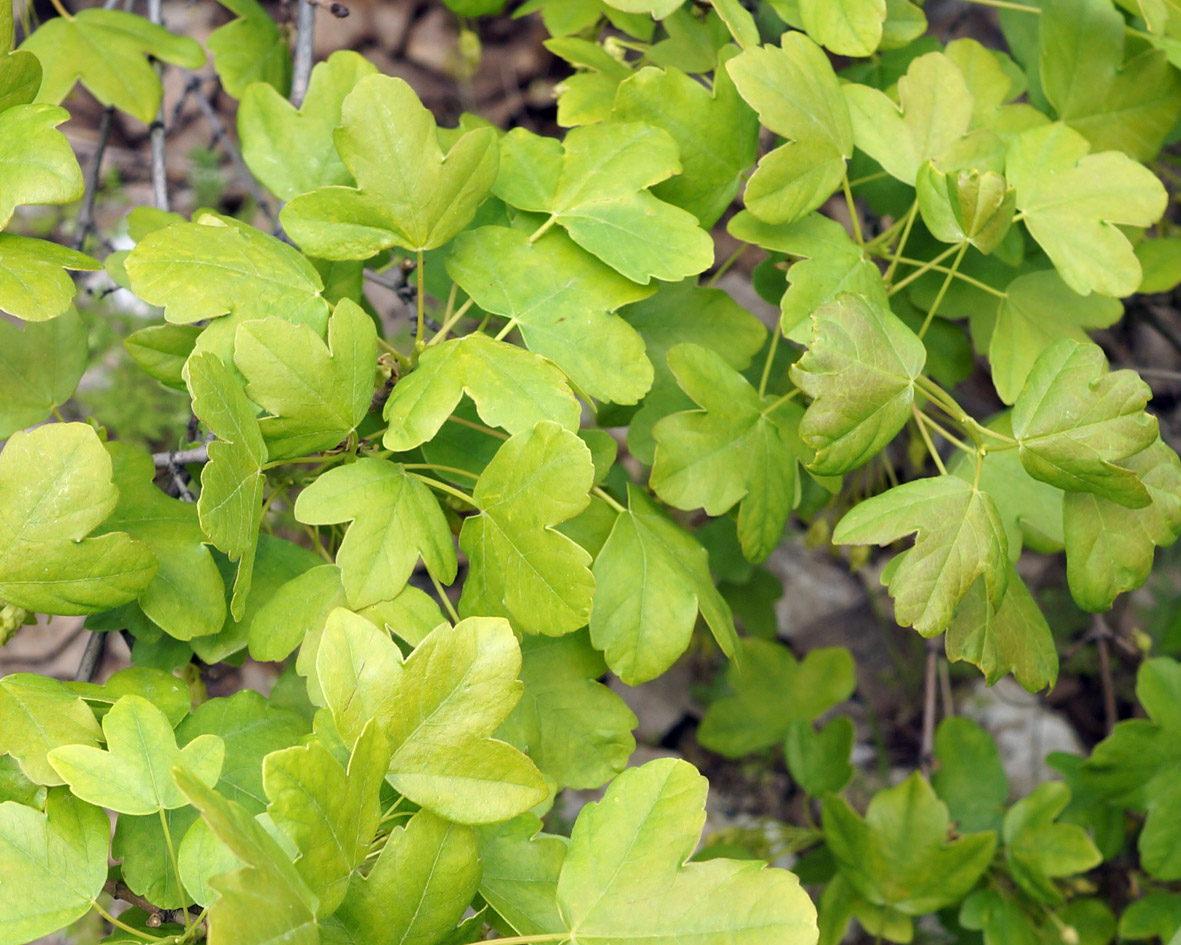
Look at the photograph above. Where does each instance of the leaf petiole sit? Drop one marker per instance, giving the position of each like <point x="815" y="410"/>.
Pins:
<point x="452" y="320"/>
<point x="910" y="217"/>
<point x="767" y="364"/>
<point x="776" y="404"/>
<point x="443" y="487"/>
<point x="922" y="270"/>
<point x="124" y="926"/>
<point x="943" y="289"/>
<point x="922" y="422"/>
<point x="606" y="497"/>
<point x="419" y="344"/>
<point x="853" y="216"/>
<point x="444" y="599"/>
<point x="525" y="939"/>
<point x="173" y="860"/>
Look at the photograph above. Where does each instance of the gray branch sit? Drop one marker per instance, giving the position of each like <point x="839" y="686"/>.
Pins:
<point x="156" y="132"/>
<point x="305" y="25"/>
<point x="170" y="458"/>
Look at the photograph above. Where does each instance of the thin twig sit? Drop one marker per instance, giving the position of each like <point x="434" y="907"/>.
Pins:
<point x="305" y="25"/>
<point x="93" y="174"/>
<point x="221" y="137"/>
<point x="156" y="131"/>
<point x="927" y="747"/>
<point x="1163" y="328"/>
<point x="1102" y="634"/>
<point x="156" y="915"/>
<point x="91" y="657"/>
<point x="394" y="283"/>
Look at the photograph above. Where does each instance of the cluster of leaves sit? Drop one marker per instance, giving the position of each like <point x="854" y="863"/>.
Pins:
<point x="392" y="787"/>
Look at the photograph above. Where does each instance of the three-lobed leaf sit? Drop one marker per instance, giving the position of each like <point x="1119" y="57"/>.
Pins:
<point x="52" y="865"/>
<point x="107" y="51"/>
<point x="511" y="388"/>
<point x="960" y="538"/>
<point x="860" y="372"/>
<point x="520" y="566"/>
<point x="56" y="489"/>
<point x="395" y="519"/>
<point x="1075" y="422"/>
<point x="133" y="775"/>
<point x="407" y="193"/>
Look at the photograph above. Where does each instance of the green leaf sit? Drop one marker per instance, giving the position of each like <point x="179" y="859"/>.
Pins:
<point x="38" y="714"/>
<point x="899" y="856"/>
<point x="186" y="598"/>
<point x="860" y="373"/>
<point x="1010" y="637"/>
<point x="1156" y="915"/>
<point x="419" y="887"/>
<point x="596" y="184"/>
<point x="511" y="388"/>
<point x="1161" y="261"/>
<point x="266" y="902"/>
<point x="250" y="49"/>
<point x="632" y="846"/>
<point x="52" y="865"/>
<point x="40" y="366"/>
<point x="331" y="815"/>
<point x="717" y="135"/>
<point x="1117" y="105"/>
<point x="438" y="712"/>
<point x="847" y="27"/>
<point x="134" y="774"/>
<point x="959" y="538"/>
<point x="819" y="761"/>
<point x="408" y="194"/>
<point x="146" y="867"/>
<point x="1075" y="421"/>
<point x="686" y="313"/>
<point x="521" y="869"/>
<point x="276" y="562"/>
<point x="1037" y="310"/>
<point x="162" y="350"/>
<point x="970" y="778"/>
<point x="20" y="72"/>
<point x="770" y="690"/>
<point x="251" y="728"/>
<point x="562" y="299"/>
<point x="1138" y="766"/>
<point x="211" y="268"/>
<point x="739" y="447"/>
<point x="230" y="504"/>
<point x="108" y="50"/>
<point x="1030" y="509"/>
<point x="966" y="206"/>
<point x="1071" y="200"/>
<point x="1038" y="850"/>
<point x="32" y="283"/>
<point x="830" y="264"/>
<point x="37" y="164"/>
<point x="576" y="730"/>
<point x="796" y="178"/>
<point x="520" y="566"/>
<point x="933" y="114"/>
<point x="55" y="489"/>
<point x="651" y="578"/>
<point x="1109" y="548"/>
<point x="316" y="394"/>
<point x="739" y="22"/>
<point x="395" y="520"/>
<point x="290" y="150"/>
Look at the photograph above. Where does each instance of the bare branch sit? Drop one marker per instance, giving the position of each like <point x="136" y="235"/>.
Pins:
<point x="927" y="748"/>
<point x="156" y="131"/>
<point x="305" y="24"/>
<point x="93" y="175"/>
<point x="170" y="458"/>
<point x="221" y="137"/>
<point x="91" y="657"/>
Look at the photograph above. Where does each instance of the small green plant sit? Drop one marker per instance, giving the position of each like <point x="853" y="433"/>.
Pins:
<point x="431" y="527"/>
